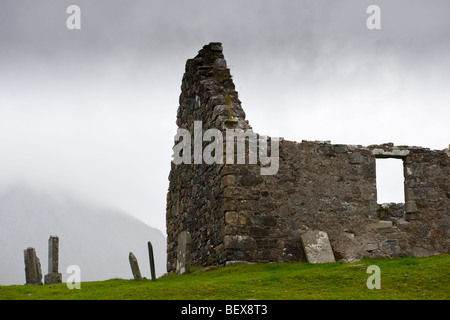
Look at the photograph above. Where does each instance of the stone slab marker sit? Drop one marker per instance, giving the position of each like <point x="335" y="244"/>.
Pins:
<point x="33" y="272"/>
<point x="184" y="252"/>
<point x="151" y="260"/>
<point x="317" y="247"/>
<point x="53" y="275"/>
<point x="134" y="266"/>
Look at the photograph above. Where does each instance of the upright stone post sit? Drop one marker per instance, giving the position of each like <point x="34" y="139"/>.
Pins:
<point x="152" y="260"/>
<point x="184" y="253"/>
<point x="134" y="266"/>
<point x="53" y="275"/>
<point x="33" y="273"/>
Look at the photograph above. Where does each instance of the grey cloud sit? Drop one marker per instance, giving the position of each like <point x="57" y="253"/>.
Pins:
<point x="310" y="69"/>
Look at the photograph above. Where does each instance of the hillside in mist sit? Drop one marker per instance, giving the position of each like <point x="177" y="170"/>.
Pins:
<point x="97" y="239"/>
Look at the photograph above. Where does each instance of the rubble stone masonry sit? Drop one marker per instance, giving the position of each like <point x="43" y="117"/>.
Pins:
<point x="234" y="213"/>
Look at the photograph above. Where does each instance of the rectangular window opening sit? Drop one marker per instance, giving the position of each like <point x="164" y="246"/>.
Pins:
<point x="390" y="181"/>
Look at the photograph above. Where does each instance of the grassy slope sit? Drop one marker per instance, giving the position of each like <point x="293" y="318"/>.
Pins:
<point x="402" y="278"/>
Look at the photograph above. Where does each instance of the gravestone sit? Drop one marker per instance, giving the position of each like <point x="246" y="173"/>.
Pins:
<point x="152" y="260"/>
<point x="53" y="275"/>
<point x="184" y="252"/>
<point x="134" y="266"/>
<point x="33" y="273"/>
<point x="317" y="247"/>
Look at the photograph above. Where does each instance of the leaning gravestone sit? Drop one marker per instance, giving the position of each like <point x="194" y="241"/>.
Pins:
<point x="53" y="275"/>
<point x="33" y="273"/>
<point x="184" y="252"/>
<point x="317" y="247"/>
<point x="134" y="266"/>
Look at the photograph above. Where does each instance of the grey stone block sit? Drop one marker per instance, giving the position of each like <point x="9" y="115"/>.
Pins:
<point x="356" y="157"/>
<point x="380" y="225"/>
<point x="52" y="278"/>
<point x="410" y="206"/>
<point x="221" y="63"/>
<point x="134" y="266"/>
<point x="184" y="253"/>
<point x="33" y="272"/>
<point x="53" y="275"/>
<point x="317" y="247"/>
<point x="216" y="46"/>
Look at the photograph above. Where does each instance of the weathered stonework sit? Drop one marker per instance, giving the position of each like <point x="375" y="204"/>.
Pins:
<point x="317" y="247"/>
<point x="134" y="266"/>
<point x="195" y="201"/>
<point x="53" y="275"/>
<point x="184" y="253"/>
<point x="234" y="213"/>
<point x="33" y="272"/>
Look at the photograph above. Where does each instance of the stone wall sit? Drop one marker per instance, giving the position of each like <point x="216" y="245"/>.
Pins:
<point x="318" y="186"/>
<point x="195" y="196"/>
<point x="332" y="188"/>
<point x="427" y="201"/>
<point x="236" y="214"/>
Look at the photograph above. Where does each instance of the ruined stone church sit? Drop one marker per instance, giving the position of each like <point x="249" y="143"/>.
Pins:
<point x="234" y="213"/>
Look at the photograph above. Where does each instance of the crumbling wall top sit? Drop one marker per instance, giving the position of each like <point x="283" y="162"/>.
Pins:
<point x="208" y="93"/>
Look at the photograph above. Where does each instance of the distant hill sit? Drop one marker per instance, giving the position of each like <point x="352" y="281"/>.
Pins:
<point x="97" y="239"/>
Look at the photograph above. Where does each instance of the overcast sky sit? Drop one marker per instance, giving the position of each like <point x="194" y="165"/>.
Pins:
<point x="93" y="111"/>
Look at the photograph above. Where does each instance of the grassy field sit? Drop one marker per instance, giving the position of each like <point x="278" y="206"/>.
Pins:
<point x="401" y="278"/>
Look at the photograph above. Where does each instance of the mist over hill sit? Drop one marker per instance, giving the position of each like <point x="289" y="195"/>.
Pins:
<point x="97" y="239"/>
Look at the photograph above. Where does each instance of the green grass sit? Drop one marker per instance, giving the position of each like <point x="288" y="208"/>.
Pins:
<point x="401" y="278"/>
